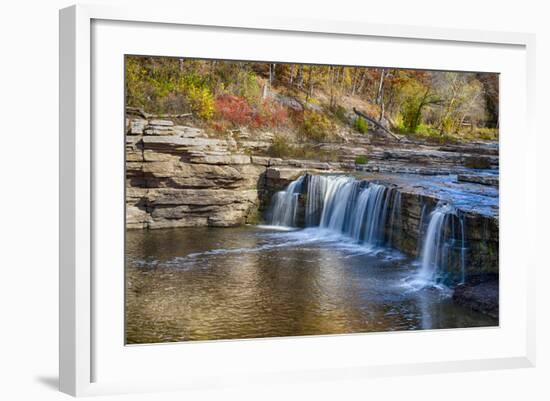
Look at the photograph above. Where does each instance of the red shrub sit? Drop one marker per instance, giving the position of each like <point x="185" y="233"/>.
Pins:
<point x="234" y="110"/>
<point x="274" y="114"/>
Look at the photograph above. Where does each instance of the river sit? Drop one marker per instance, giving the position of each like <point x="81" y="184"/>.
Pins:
<point x="254" y="281"/>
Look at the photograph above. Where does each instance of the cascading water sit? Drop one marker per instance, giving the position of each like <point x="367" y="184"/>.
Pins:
<point x="285" y="204"/>
<point x="342" y="204"/>
<point x="395" y="219"/>
<point x="442" y="247"/>
<point x="370" y="213"/>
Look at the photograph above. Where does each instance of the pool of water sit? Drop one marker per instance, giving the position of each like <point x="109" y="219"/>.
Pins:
<point x="250" y="282"/>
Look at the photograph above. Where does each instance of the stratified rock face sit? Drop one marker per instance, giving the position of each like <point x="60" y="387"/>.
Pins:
<point x="491" y="180"/>
<point x="176" y="176"/>
<point x="481" y="234"/>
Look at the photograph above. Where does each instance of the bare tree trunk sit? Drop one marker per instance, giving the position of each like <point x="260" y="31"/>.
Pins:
<point x="272" y="73"/>
<point x="309" y="83"/>
<point x="380" y="93"/>
<point x="354" y="80"/>
<point x="331" y="83"/>
<point x="381" y="112"/>
<point x="342" y="77"/>
<point x="362" y="81"/>
<point x="300" y="76"/>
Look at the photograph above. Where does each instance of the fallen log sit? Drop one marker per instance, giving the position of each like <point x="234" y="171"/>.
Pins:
<point x="140" y="112"/>
<point x="171" y="115"/>
<point x="373" y="121"/>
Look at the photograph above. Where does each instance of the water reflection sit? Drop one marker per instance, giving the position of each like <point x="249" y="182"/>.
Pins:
<point x="248" y="282"/>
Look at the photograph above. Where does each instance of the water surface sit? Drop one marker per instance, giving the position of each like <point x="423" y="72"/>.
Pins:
<point x="249" y="282"/>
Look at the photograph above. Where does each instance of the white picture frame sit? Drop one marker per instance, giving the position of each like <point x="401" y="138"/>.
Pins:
<point x="83" y="350"/>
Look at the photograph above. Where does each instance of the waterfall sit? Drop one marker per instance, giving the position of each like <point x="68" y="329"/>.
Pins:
<point x="370" y="213"/>
<point x="285" y="204"/>
<point x="442" y="248"/>
<point x="357" y="209"/>
<point x="395" y="225"/>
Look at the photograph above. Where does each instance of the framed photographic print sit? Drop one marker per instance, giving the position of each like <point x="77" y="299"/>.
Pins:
<point x="289" y="200"/>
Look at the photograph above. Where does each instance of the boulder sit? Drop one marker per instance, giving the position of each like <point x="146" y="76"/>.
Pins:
<point x="136" y="126"/>
<point x="477" y="162"/>
<point x="480" y="296"/>
<point x="492" y="180"/>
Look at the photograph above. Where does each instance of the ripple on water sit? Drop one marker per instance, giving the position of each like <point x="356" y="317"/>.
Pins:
<point x="184" y="284"/>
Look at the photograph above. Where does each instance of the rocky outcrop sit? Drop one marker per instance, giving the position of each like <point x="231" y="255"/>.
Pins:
<point x="491" y="180"/>
<point x="480" y="293"/>
<point x="481" y="233"/>
<point x="411" y="157"/>
<point x="176" y="176"/>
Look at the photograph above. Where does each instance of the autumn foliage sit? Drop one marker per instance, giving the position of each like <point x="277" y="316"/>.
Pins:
<point x="236" y="111"/>
<point x="313" y="102"/>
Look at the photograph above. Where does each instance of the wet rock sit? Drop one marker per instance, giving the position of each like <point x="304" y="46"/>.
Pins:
<point x="478" y="162"/>
<point x="492" y="180"/>
<point x="480" y="294"/>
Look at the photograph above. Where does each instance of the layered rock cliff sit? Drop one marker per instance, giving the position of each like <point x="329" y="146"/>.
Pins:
<point x="176" y="176"/>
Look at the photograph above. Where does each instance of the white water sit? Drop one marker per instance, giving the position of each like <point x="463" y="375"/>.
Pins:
<point x="341" y="204"/>
<point x="370" y="214"/>
<point x="286" y="204"/>
<point x="439" y="241"/>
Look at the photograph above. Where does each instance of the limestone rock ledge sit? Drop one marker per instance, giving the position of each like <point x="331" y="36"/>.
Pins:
<point x="176" y="176"/>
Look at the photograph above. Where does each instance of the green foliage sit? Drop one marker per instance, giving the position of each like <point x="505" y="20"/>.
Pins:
<point x="427" y="130"/>
<point x="411" y="110"/>
<point x="341" y="114"/>
<point x="249" y="87"/>
<point x="362" y="159"/>
<point x="488" y="134"/>
<point x="316" y="126"/>
<point x="414" y="94"/>
<point x="160" y="85"/>
<point x="361" y="125"/>
<point x="280" y="147"/>
<point x="136" y="86"/>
